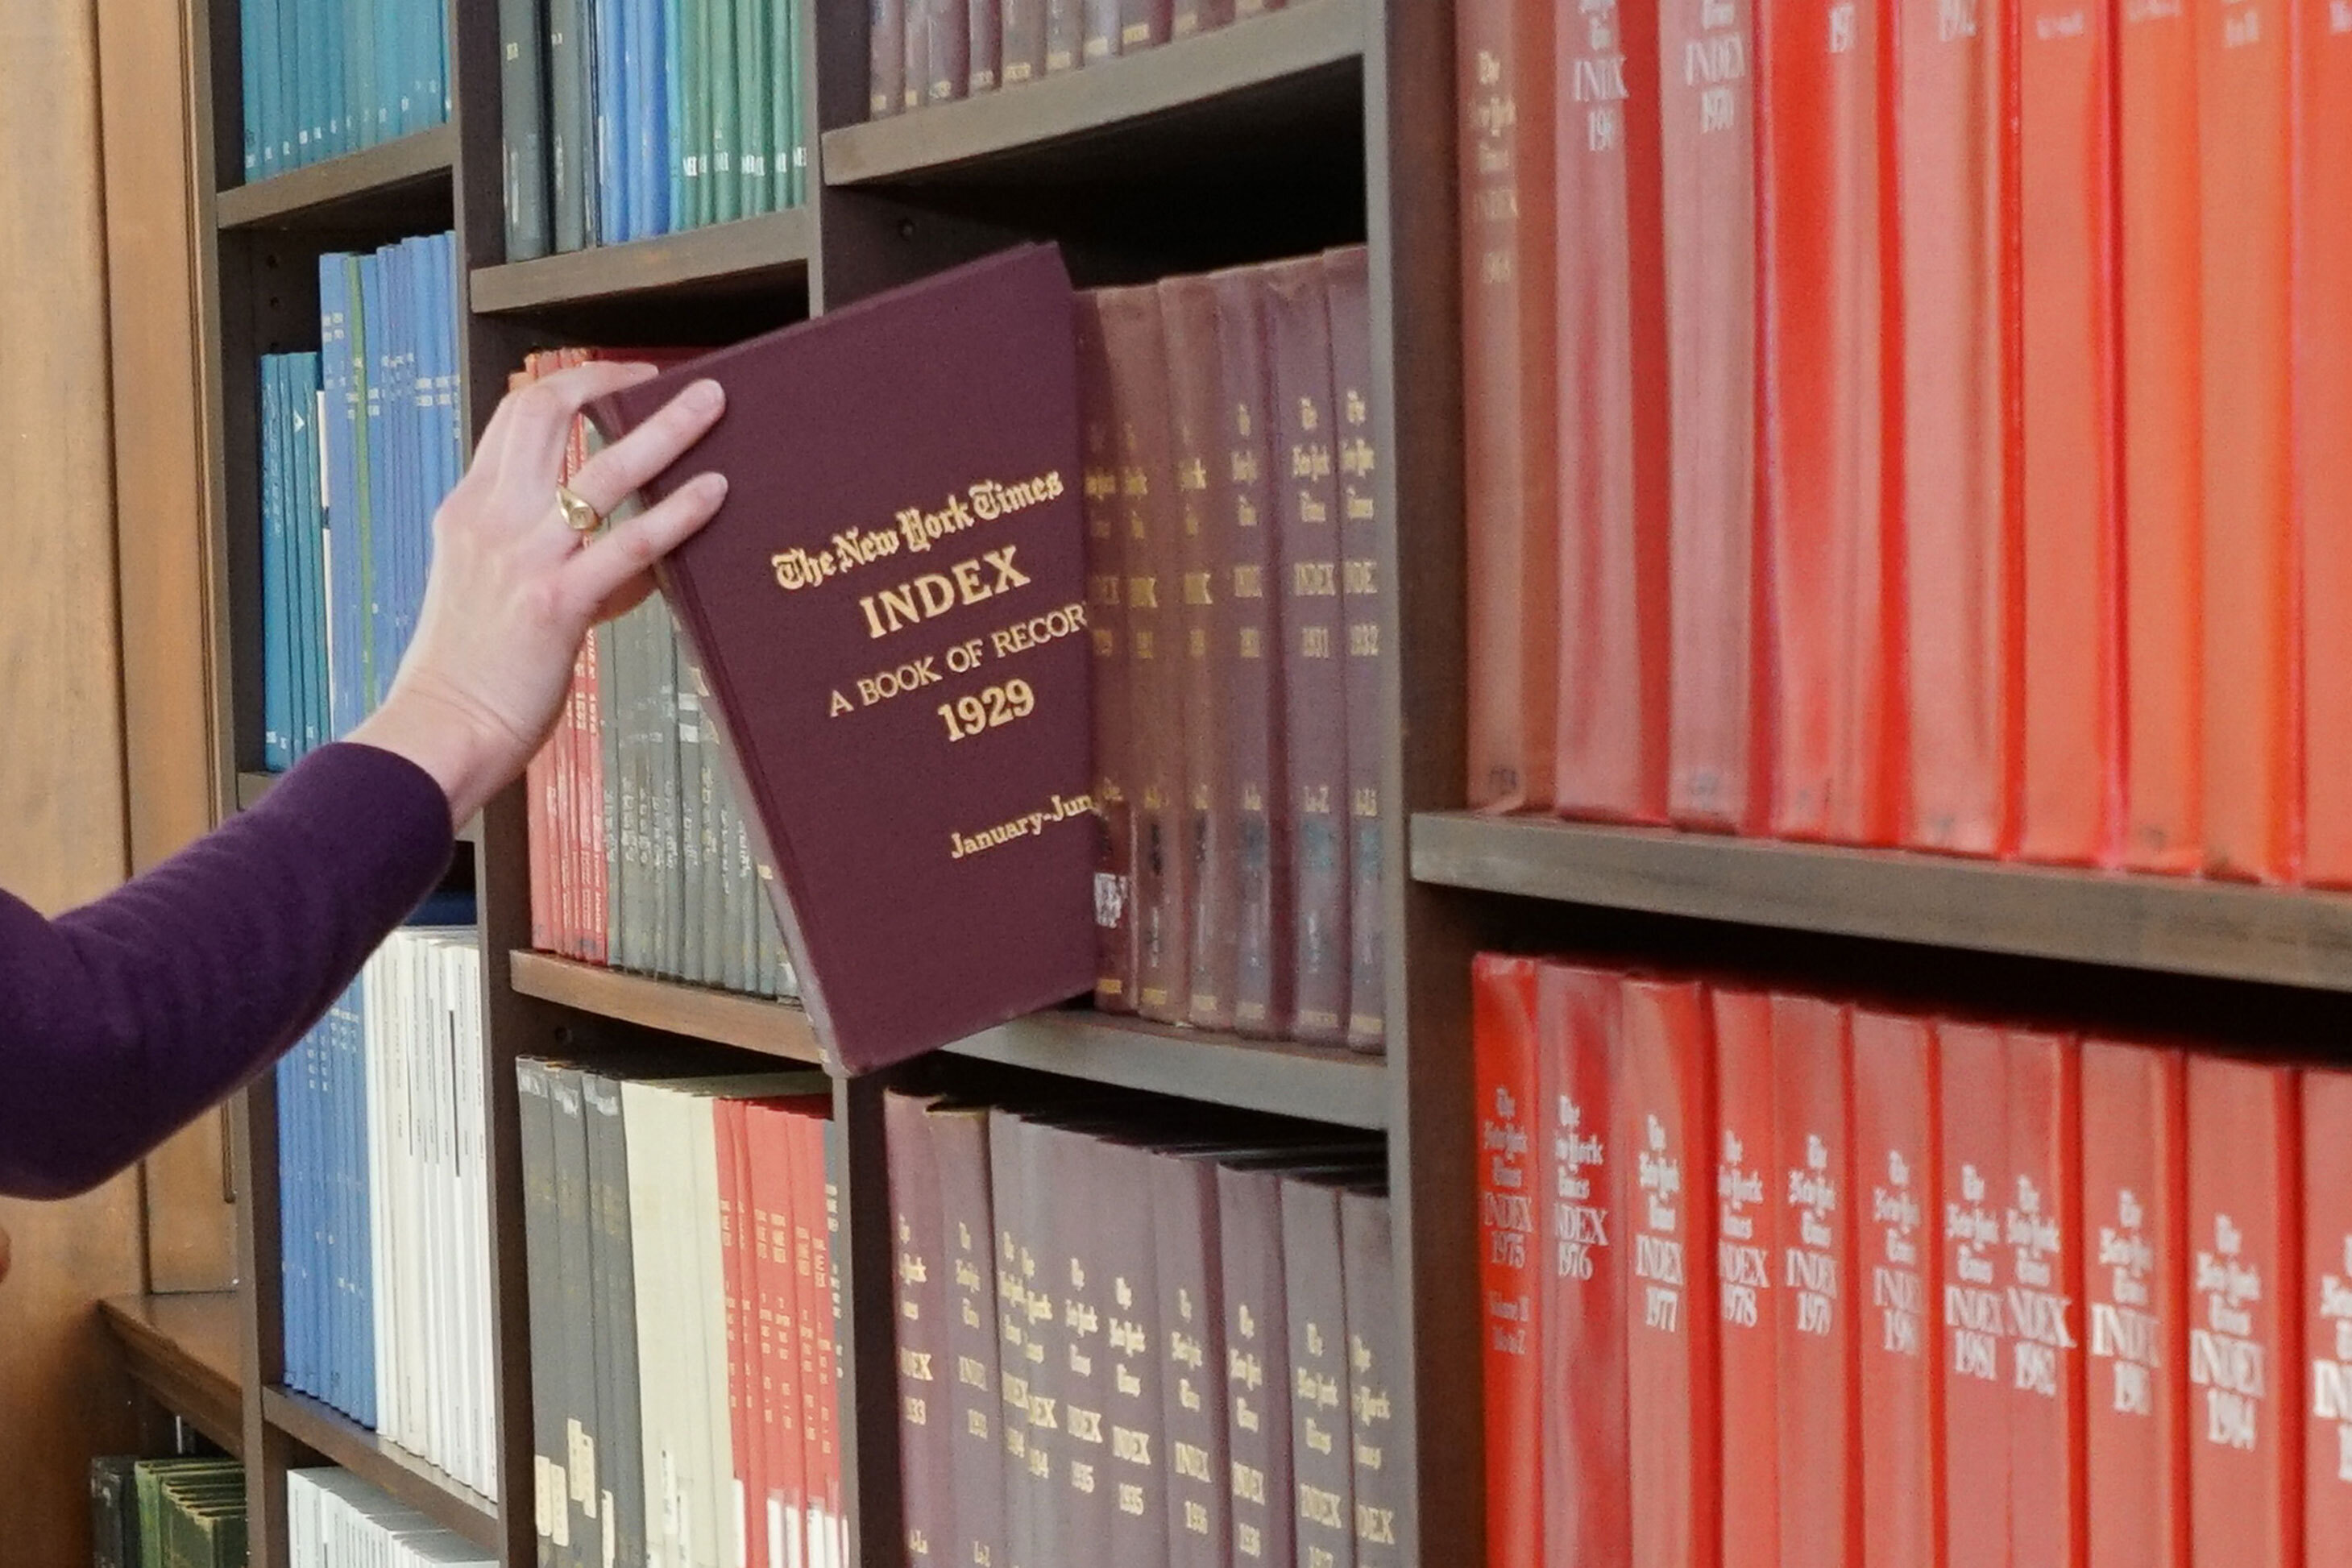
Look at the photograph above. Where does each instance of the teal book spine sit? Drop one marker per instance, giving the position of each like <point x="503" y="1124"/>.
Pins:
<point x="694" y="72"/>
<point x="675" y="201"/>
<point x="309" y="637"/>
<point x="259" y="20"/>
<point x="249" y="99"/>
<point x="785" y="157"/>
<point x="384" y="22"/>
<point x="751" y="113"/>
<point x="276" y="685"/>
<point x="726" y="131"/>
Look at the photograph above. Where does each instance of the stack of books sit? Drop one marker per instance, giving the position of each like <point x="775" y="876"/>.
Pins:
<point x="629" y="117"/>
<point x="1914" y="427"/>
<point x="333" y="1517"/>
<point x="929" y="51"/>
<point x="1862" y="1285"/>
<point x="360" y="443"/>
<point x="323" y="77"/>
<point x="680" y="1239"/>
<point x="385" y="1206"/>
<point x="1124" y="1340"/>
<point x="1234" y="571"/>
<point x="167" y="1514"/>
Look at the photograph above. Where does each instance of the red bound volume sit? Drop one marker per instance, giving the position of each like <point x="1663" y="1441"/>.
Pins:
<point x="2253" y="775"/>
<point x="1363" y="567"/>
<point x="2156" y="182"/>
<point x="1976" y="1189"/>
<point x="783" y="1443"/>
<point x="745" y="1371"/>
<point x="1505" y="1048"/>
<point x="1581" y="1322"/>
<point x="1707" y="109"/>
<point x="1833" y="556"/>
<point x="1897" y="1284"/>
<point x="1614" y="499"/>
<point x="1313" y="675"/>
<point x="2041" y="1284"/>
<point x="1815" y="1280"/>
<point x="2135" y="1443"/>
<point x="2325" y="1307"/>
<point x="2069" y="495"/>
<point x="1747" y="1267"/>
<point x="1670" y="1365"/>
<point x="2245" y="1358"/>
<point x="1117" y="924"/>
<point x="1502" y="54"/>
<point x="2323" y="414"/>
<point x="1188" y="307"/>
<point x="1149" y="521"/>
<point x="1952" y="209"/>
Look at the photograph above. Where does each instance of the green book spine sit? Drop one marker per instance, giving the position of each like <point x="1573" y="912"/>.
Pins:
<point x="691" y="865"/>
<point x="726" y="128"/>
<point x="790" y="157"/>
<point x="670" y="807"/>
<point x="694" y="88"/>
<point x="754" y="84"/>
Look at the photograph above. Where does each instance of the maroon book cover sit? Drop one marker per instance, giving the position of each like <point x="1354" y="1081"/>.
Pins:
<point x="890" y="609"/>
<point x="1117" y="928"/>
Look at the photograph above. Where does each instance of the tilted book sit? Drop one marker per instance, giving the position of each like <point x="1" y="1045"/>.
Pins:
<point x="890" y="612"/>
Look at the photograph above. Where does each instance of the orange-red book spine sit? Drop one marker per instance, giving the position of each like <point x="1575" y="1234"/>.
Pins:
<point x="1898" y="1277"/>
<point x="2245" y="1366"/>
<point x="767" y="1146"/>
<point x="1609" y="306"/>
<point x="1667" y="1119"/>
<point x="1707" y="105"/>
<point x="2252" y="777"/>
<point x="2072" y="525"/>
<point x="745" y="1372"/>
<point x="1746" y="1297"/>
<point x="2163" y="499"/>
<point x="2326" y="1305"/>
<point x="1504" y="1047"/>
<point x="2041" y="1270"/>
<point x="1952" y="208"/>
<point x="1816" y="1323"/>
<point x="1819" y="133"/>
<point x="1587" y="1503"/>
<point x="2323" y="416"/>
<point x="2136" y="1396"/>
<point x="1503" y="52"/>
<point x="1973" y="1105"/>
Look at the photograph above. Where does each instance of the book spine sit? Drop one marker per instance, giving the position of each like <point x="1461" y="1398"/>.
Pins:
<point x="2253" y="776"/>
<point x="2136" y="1404"/>
<point x="694" y="66"/>
<point x="947" y="54"/>
<point x="609" y="124"/>
<point x="575" y="1324"/>
<point x="767" y="1137"/>
<point x="745" y="1369"/>
<point x="1135" y="1473"/>
<point x="1362" y="569"/>
<point x="1671" y="1444"/>
<point x="1044" y="1298"/>
<point x="1817" y="1325"/>
<point x="1580" y="1324"/>
<point x="1144" y="24"/>
<point x="1189" y="1276"/>
<point x="1506" y="1049"/>
<point x="2041" y="1276"/>
<point x="1314" y="1288"/>
<point x="2245" y="1360"/>
<point x="755" y="78"/>
<point x="825" y="1178"/>
<point x="692" y="863"/>
<point x="621" y="1464"/>
<point x="1257" y="1367"/>
<point x="2323" y="406"/>
<point x="1314" y="673"/>
<point x="1118" y="922"/>
<point x="1973" y="1103"/>
<point x="1021" y="37"/>
<point x="1375" y="1352"/>
<point x="1748" y="1290"/>
<point x="975" y="1404"/>
<point x="2326" y="1311"/>
<point x="926" y="1460"/>
<point x="985" y="23"/>
<point x="1205" y="836"/>
<point x="1076" y="1167"/>
<point x="276" y="439"/>
<point x="1248" y="664"/>
<point x="1504" y="54"/>
<point x="1066" y="25"/>
<point x="1099" y="29"/>
<point x="566" y="152"/>
<point x="2071" y="527"/>
<point x="723" y="186"/>
<point x="541" y="1268"/>
<point x="1009" y="1209"/>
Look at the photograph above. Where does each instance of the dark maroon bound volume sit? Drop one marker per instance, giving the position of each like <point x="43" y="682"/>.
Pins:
<point x="987" y="43"/>
<point x="1187" y="17"/>
<point x="1144" y="23"/>
<point x="886" y="55"/>
<point x="959" y="1140"/>
<point x="1009" y="1212"/>
<point x="1375" y="1361"/>
<point x="1257" y="1366"/>
<point x="1249" y="661"/>
<point x="948" y="50"/>
<point x="1193" y="1365"/>
<point x="1316" y="1298"/>
<point x="890" y="610"/>
<point x="1117" y="927"/>
<point x="926" y="1458"/>
<point x="1150" y="548"/>
<point x="1022" y="39"/>
<point x="1187" y="308"/>
<point x="1315" y="711"/>
<point x="1347" y="279"/>
<point x="1073" y="1170"/>
<point x="917" y="48"/>
<point x="1136" y="1476"/>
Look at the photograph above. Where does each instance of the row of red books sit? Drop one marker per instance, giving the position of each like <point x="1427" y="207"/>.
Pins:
<point x="1917" y="425"/>
<point x="1233" y="572"/>
<point x="1946" y="1292"/>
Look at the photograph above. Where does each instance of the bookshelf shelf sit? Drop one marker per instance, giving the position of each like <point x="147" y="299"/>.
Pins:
<point x="755" y="255"/>
<point x="2170" y="924"/>
<point x="337" y="1439"/>
<point x="392" y="184"/>
<point x="182" y="1350"/>
<point x="747" y="1023"/>
<point x="1250" y="80"/>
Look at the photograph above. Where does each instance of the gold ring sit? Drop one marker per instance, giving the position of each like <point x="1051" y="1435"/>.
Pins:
<point x="578" y="515"/>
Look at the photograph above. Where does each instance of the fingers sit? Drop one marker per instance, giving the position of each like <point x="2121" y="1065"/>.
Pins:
<point x="525" y="438"/>
<point x="617" y="472"/>
<point x="615" y="560"/>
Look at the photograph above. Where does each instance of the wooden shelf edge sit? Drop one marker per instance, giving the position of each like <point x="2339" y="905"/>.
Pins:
<point x="1129" y="90"/>
<point x="2181" y="925"/>
<point x="182" y="1350"/>
<point x="1313" y="1082"/>
<point x="322" y="190"/>
<point x="376" y="1459"/>
<point x="726" y="1017"/>
<point x="770" y="247"/>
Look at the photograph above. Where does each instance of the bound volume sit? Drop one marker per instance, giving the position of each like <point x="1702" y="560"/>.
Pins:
<point x="890" y="612"/>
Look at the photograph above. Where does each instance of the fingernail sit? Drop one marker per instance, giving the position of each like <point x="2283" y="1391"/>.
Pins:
<point x="714" y="486"/>
<point x="705" y="397"/>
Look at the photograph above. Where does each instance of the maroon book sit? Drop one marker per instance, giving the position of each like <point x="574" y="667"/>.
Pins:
<point x="1118" y="928"/>
<point x="890" y="609"/>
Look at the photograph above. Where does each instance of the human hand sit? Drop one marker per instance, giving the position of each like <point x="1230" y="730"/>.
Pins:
<point x="513" y="589"/>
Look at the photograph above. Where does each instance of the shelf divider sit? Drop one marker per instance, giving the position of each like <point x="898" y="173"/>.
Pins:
<point x="335" y="1436"/>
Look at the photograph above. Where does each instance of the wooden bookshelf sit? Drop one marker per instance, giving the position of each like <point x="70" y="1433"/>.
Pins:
<point x="337" y="1440"/>
<point x="750" y="256"/>
<point x="182" y="1351"/>
<point x="403" y="181"/>
<point x="726" y="1018"/>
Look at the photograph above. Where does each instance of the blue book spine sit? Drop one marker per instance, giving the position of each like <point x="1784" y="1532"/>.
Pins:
<point x="260" y="20"/>
<point x="303" y="541"/>
<point x="416" y="399"/>
<point x="676" y="195"/>
<point x="612" y="120"/>
<point x="357" y="1330"/>
<point x="358" y="67"/>
<point x="383" y="22"/>
<point x="300" y="15"/>
<point x="340" y="490"/>
<point x="248" y="51"/>
<point x="290" y="1207"/>
<point x="433" y="64"/>
<point x="276" y="692"/>
<point x="287" y="107"/>
<point x="319" y="74"/>
<point x="376" y="516"/>
<point x="641" y="108"/>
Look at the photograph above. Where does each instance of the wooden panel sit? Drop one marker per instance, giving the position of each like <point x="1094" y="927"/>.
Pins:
<point x="184" y="1350"/>
<point x="404" y="183"/>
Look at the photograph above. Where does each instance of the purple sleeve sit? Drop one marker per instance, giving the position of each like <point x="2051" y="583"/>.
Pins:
<point x="121" y="1020"/>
